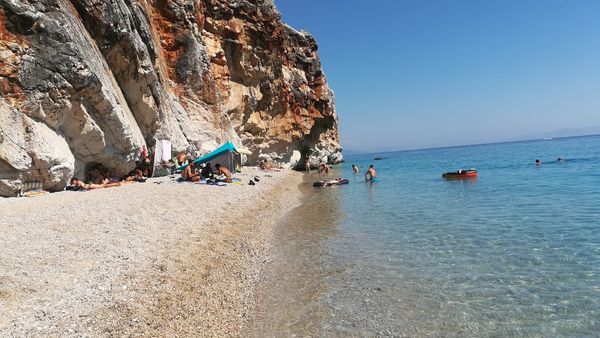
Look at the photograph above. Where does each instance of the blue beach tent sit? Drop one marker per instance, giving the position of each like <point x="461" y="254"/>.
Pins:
<point x="226" y="155"/>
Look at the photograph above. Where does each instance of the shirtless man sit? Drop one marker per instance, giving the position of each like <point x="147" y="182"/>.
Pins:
<point x="189" y="174"/>
<point x="224" y="171"/>
<point x="371" y="174"/>
<point x="355" y="168"/>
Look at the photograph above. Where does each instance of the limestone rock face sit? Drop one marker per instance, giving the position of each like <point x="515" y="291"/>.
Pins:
<point x="93" y="81"/>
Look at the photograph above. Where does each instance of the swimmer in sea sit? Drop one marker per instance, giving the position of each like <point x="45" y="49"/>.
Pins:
<point x="355" y="168"/>
<point x="371" y="174"/>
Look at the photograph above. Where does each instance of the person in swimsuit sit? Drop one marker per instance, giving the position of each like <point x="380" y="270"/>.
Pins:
<point x="371" y="174"/>
<point x="323" y="169"/>
<point x="189" y="173"/>
<point x="355" y="168"/>
<point x="77" y="183"/>
<point x="181" y="160"/>
<point x="224" y="171"/>
<point x="333" y="182"/>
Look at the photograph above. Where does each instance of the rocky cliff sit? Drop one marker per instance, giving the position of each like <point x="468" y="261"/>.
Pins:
<point x="92" y="81"/>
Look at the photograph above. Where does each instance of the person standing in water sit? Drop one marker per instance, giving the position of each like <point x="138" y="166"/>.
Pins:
<point x="323" y="169"/>
<point x="355" y="168"/>
<point x="371" y="174"/>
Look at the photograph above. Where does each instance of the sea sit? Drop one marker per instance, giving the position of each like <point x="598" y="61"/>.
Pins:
<point x="513" y="253"/>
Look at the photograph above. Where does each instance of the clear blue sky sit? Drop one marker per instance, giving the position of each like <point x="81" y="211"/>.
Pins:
<point x="423" y="73"/>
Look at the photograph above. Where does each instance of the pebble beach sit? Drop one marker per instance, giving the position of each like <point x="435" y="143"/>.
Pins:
<point x="148" y="259"/>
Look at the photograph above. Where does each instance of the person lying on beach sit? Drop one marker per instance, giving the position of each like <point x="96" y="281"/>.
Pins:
<point x="265" y="165"/>
<point x="224" y="171"/>
<point x="371" y="174"/>
<point x="77" y="183"/>
<point x="135" y="176"/>
<point x="333" y="182"/>
<point x="107" y="183"/>
<point x="189" y="173"/>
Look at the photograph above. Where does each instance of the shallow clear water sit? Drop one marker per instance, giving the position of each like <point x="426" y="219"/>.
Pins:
<point x="514" y="253"/>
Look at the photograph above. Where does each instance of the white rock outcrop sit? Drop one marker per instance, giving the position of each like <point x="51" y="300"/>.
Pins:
<point x="94" y="81"/>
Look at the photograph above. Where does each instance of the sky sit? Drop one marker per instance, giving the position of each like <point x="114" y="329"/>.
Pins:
<point x="428" y="73"/>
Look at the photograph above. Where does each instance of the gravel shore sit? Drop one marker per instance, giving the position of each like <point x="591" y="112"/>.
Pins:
<point x="170" y="259"/>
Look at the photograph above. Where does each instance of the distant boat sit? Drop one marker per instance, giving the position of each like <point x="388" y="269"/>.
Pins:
<point x="460" y="175"/>
<point x="548" y="138"/>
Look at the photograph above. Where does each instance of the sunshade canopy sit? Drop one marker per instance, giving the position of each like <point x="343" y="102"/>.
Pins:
<point x="227" y="147"/>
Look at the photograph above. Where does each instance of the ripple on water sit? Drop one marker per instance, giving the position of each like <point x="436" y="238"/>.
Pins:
<point x="514" y="253"/>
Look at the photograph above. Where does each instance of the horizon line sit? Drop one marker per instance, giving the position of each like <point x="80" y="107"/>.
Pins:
<point x="360" y="152"/>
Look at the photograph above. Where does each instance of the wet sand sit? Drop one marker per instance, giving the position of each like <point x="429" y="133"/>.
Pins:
<point x="144" y="260"/>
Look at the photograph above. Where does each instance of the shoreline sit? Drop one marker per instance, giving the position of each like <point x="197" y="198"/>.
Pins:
<point x="144" y="259"/>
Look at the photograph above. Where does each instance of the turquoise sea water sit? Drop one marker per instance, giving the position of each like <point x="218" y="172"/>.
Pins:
<point x="514" y="253"/>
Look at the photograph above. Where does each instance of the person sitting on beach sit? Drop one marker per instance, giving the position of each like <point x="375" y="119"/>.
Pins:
<point x="355" y="168"/>
<point x="224" y="171"/>
<point x="189" y="173"/>
<point x="181" y="160"/>
<point x="207" y="171"/>
<point x="371" y="174"/>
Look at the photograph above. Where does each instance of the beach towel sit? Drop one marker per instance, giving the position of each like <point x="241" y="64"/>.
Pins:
<point x="166" y="150"/>
<point x="162" y="156"/>
<point x="30" y="187"/>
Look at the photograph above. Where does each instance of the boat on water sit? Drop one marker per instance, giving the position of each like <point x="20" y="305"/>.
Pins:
<point x="461" y="174"/>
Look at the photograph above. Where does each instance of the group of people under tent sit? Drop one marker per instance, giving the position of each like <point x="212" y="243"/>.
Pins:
<point x="100" y="177"/>
<point x="194" y="173"/>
